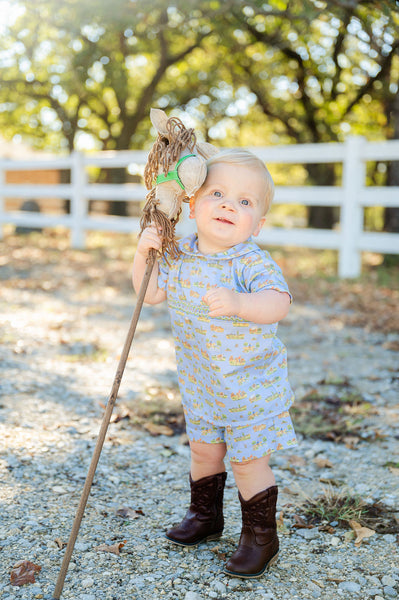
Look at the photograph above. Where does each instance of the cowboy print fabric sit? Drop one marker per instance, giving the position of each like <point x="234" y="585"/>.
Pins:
<point x="232" y="373"/>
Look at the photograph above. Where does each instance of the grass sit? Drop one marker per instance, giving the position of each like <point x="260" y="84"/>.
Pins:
<point x="98" y="355"/>
<point x="392" y="464"/>
<point x="332" y="506"/>
<point x="331" y="415"/>
<point x="159" y="405"/>
<point x="341" y="507"/>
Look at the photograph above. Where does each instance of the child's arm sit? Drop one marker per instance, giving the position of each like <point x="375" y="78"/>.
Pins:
<point x="149" y="238"/>
<point x="266" y="306"/>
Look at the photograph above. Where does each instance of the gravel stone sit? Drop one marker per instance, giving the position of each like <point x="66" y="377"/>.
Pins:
<point x="86" y="583"/>
<point x="349" y="586"/>
<point x="389" y="580"/>
<point x="390" y="592"/>
<point x="192" y="596"/>
<point x="309" y="534"/>
<point x="218" y="586"/>
<point x="374" y="591"/>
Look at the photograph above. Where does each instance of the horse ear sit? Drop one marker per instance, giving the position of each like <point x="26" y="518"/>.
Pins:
<point x="158" y="119"/>
<point x="206" y="150"/>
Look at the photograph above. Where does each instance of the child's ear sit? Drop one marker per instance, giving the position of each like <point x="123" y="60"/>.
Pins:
<point x="191" y="205"/>
<point x="259" y="226"/>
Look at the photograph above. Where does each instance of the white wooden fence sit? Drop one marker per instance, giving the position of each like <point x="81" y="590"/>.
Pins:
<point x="349" y="238"/>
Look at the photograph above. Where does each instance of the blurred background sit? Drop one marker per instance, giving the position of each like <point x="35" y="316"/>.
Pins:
<point x="83" y="76"/>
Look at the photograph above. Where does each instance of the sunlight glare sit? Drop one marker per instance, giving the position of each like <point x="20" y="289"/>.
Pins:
<point x="9" y="12"/>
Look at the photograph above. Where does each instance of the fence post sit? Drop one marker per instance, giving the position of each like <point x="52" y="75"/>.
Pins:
<point x="78" y="201"/>
<point x="353" y="179"/>
<point x="2" y="202"/>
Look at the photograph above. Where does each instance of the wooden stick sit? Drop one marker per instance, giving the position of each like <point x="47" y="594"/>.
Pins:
<point x="104" y="426"/>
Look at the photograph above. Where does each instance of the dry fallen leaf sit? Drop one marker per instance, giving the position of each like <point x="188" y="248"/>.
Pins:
<point x="120" y="415"/>
<point x="290" y="492"/>
<point x="394" y="470"/>
<point x="280" y="520"/>
<point x="323" y="463"/>
<point x="297" y="461"/>
<point x="393" y="345"/>
<point x="129" y="513"/>
<point x="281" y="526"/>
<point x="60" y="543"/>
<point x="350" y="441"/>
<point x="300" y="523"/>
<point x="221" y="555"/>
<point x="327" y="528"/>
<point x="24" y="572"/>
<point x="361" y="532"/>
<point x="114" y="549"/>
<point x="155" y="429"/>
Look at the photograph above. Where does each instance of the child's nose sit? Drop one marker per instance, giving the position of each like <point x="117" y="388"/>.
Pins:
<point x="228" y="204"/>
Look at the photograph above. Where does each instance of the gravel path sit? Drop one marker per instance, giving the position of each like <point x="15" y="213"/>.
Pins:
<point x="58" y="355"/>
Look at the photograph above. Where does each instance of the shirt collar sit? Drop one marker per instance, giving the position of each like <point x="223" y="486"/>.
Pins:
<point x="189" y="246"/>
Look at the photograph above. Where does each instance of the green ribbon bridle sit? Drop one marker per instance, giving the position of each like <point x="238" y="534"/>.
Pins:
<point x="173" y="175"/>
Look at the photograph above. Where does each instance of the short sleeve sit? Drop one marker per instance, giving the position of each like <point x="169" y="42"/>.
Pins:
<point x="263" y="273"/>
<point x="163" y="273"/>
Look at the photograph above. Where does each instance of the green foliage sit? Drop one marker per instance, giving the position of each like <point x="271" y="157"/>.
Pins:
<point x="333" y="506"/>
<point x="86" y="74"/>
<point x="341" y="507"/>
<point x="247" y="73"/>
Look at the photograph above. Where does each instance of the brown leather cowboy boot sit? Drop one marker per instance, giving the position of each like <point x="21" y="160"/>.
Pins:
<point x="258" y="546"/>
<point x="204" y="518"/>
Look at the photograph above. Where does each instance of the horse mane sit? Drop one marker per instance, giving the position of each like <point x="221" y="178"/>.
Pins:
<point x="167" y="149"/>
<point x="164" y="153"/>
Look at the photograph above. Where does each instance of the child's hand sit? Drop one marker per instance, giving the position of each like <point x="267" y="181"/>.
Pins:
<point x="150" y="238"/>
<point x="223" y="302"/>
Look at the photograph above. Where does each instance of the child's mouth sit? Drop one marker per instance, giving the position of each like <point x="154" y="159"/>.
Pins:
<point x="221" y="220"/>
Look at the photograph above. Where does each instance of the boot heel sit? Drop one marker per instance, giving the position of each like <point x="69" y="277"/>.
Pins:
<point x="213" y="537"/>
<point x="273" y="560"/>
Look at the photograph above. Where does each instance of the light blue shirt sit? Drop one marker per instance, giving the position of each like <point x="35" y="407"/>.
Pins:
<point x="231" y="371"/>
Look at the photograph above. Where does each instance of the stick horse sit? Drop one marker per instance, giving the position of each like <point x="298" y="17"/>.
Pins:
<point x="176" y="165"/>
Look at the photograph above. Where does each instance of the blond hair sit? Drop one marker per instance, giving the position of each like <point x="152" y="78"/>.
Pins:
<point x="245" y="158"/>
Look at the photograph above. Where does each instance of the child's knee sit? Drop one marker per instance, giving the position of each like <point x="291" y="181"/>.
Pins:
<point x="250" y="467"/>
<point x="202" y="452"/>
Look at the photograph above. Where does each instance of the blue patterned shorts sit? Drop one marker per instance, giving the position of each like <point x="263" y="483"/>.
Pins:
<point x="244" y="442"/>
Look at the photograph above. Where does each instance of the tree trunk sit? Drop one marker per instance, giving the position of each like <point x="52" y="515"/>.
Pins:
<point x="391" y="220"/>
<point x="65" y="177"/>
<point x="322" y="217"/>
<point x="117" y="207"/>
<point x="391" y="215"/>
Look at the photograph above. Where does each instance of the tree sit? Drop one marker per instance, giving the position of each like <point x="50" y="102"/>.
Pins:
<point x="303" y="71"/>
<point x="316" y="67"/>
<point x="94" y="68"/>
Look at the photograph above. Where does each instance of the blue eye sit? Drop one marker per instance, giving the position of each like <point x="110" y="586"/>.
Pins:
<point x="245" y="202"/>
<point x="217" y="194"/>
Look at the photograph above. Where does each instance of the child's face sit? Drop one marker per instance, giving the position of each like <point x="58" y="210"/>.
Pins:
<point x="228" y="208"/>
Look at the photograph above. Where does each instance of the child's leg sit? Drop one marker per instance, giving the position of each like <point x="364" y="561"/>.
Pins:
<point x="204" y="518"/>
<point x="253" y="476"/>
<point x="206" y="459"/>
<point x="259" y="545"/>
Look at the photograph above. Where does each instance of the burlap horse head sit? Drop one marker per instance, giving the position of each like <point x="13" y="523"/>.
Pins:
<point x="175" y="170"/>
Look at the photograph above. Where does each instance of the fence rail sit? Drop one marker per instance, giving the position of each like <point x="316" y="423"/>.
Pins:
<point x="351" y="197"/>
